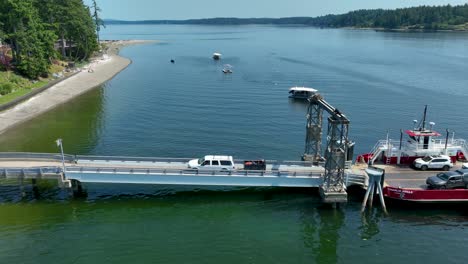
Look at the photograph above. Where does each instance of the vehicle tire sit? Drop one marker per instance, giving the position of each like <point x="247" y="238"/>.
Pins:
<point x="446" y="168"/>
<point x="443" y="187"/>
<point x="424" y="167"/>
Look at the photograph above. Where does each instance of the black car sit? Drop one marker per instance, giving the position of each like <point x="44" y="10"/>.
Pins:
<point x="449" y="180"/>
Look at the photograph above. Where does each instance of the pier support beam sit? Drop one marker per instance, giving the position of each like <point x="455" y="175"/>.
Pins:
<point x="375" y="176"/>
<point x="35" y="189"/>
<point x="77" y="189"/>
<point x="333" y="189"/>
<point x="313" y="144"/>
<point x="21" y="184"/>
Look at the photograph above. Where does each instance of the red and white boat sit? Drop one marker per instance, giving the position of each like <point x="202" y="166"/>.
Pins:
<point x="421" y="141"/>
<point x="425" y="195"/>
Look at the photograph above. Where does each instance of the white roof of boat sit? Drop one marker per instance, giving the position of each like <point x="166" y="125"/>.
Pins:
<point x="304" y="89"/>
<point x="216" y="54"/>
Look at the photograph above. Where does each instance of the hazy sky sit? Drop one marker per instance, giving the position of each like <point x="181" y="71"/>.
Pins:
<point x="184" y="9"/>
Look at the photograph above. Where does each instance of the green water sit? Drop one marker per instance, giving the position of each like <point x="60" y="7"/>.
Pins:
<point x="188" y="109"/>
<point x="77" y="122"/>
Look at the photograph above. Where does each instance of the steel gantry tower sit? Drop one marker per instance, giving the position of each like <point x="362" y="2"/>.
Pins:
<point x="333" y="189"/>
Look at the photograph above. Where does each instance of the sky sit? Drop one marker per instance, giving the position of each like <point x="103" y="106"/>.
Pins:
<point x="187" y="9"/>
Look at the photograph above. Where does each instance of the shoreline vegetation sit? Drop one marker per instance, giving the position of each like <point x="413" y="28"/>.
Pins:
<point x="42" y="41"/>
<point x="414" y="19"/>
<point x="91" y="75"/>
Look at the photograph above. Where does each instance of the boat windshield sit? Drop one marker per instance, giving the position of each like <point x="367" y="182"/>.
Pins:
<point x="427" y="158"/>
<point x="200" y="161"/>
<point x="443" y="176"/>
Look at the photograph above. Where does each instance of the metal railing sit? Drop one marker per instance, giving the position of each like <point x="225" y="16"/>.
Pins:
<point x="84" y="158"/>
<point x="192" y="172"/>
<point x="35" y="156"/>
<point x="123" y="159"/>
<point x="22" y="172"/>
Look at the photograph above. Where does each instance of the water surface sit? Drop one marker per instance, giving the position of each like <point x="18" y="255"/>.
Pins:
<point x="381" y="80"/>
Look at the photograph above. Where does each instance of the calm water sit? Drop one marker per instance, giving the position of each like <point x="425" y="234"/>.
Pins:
<point x="154" y="108"/>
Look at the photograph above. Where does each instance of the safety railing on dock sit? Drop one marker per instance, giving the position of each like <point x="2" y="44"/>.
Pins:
<point x="191" y="172"/>
<point x="35" y="156"/>
<point x="30" y="172"/>
<point x="124" y="159"/>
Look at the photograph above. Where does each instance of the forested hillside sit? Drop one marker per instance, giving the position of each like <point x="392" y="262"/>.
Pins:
<point x="38" y="31"/>
<point x="421" y="18"/>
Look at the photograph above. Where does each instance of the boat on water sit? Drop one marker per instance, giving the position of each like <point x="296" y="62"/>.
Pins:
<point x="217" y="56"/>
<point x="227" y="68"/>
<point x="422" y="195"/>
<point x="421" y="141"/>
<point x="301" y="92"/>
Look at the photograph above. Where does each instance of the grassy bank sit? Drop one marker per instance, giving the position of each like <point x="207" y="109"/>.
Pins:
<point x="13" y="85"/>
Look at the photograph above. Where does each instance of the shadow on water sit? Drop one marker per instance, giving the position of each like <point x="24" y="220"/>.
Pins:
<point x="299" y="105"/>
<point x="321" y="232"/>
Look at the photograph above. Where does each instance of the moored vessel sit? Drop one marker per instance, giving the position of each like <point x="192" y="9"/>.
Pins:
<point x="301" y="92"/>
<point x="421" y="141"/>
<point x="425" y="195"/>
<point x="216" y="56"/>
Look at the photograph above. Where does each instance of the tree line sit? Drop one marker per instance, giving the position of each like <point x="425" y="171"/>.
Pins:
<point x="422" y="17"/>
<point x="39" y="31"/>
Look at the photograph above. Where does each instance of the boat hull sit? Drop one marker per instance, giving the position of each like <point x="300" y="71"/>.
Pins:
<point x="426" y="196"/>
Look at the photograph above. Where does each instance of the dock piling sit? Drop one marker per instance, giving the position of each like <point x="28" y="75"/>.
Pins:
<point x="375" y="176"/>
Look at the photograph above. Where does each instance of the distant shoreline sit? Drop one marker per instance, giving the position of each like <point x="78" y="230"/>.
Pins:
<point x="378" y="29"/>
<point x="408" y="19"/>
<point x="98" y="71"/>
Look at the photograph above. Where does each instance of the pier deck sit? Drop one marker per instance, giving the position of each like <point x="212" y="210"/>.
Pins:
<point x="128" y="170"/>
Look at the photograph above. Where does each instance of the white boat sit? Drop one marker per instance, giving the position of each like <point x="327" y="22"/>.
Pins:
<point x="421" y="141"/>
<point x="301" y="92"/>
<point x="216" y="56"/>
<point x="227" y="68"/>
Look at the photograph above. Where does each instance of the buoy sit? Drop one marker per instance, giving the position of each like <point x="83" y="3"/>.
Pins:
<point x="172" y="61"/>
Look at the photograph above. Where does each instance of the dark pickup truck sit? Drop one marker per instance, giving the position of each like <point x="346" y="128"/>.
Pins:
<point x="449" y="180"/>
<point x="254" y="165"/>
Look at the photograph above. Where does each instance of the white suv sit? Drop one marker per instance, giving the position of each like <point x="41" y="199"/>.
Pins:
<point x="211" y="162"/>
<point x="434" y="162"/>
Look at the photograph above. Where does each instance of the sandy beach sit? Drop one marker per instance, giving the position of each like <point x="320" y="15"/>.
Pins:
<point x="98" y="71"/>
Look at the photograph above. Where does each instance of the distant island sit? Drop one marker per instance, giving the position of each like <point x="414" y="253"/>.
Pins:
<point x="419" y="18"/>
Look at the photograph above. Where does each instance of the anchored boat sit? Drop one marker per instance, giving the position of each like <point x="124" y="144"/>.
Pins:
<point x="216" y="56"/>
<point x="227" y="68"/>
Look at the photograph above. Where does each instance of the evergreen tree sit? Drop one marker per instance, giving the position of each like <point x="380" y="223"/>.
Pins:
<point x="97" y="20"/>
<point x="32" y="44"/>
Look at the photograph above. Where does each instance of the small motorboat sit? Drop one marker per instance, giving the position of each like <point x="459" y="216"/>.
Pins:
<point x="301" y="92"/>
<point x="227" y="68"/>
<point x="216" y="56"/>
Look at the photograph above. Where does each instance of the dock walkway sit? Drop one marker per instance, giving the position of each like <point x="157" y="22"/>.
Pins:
<point x="134" y="170"/>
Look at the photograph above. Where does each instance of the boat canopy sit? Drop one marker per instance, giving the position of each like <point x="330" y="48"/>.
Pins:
<point x="423" y="133"/>
<point x="303" y="89"/>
